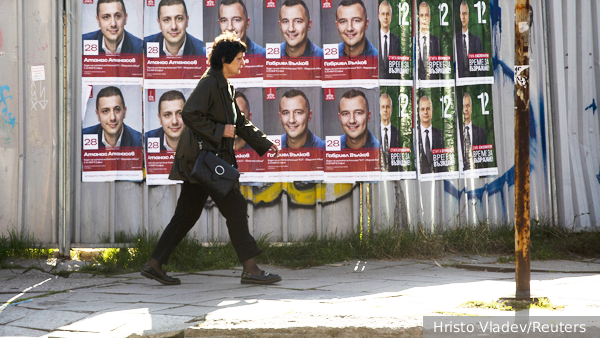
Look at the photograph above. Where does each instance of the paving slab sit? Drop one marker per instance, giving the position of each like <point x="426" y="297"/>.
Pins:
<point x="9" y="331"/>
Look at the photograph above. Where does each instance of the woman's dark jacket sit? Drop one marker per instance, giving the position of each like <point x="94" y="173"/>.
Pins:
<point x="204" y="115"/>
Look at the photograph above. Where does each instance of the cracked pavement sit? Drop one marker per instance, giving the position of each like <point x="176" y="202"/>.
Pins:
<point x="343" y="299"/>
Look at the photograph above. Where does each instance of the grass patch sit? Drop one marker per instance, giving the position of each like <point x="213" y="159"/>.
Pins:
<point x="514" y="305"/>
<point x="547" y="242"/>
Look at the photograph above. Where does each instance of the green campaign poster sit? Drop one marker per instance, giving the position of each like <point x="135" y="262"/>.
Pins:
<point x="395" y="42"/>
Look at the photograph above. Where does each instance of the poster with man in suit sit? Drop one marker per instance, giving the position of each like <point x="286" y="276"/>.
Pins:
<point x="436" y="134"/>
<point x="397" y="156"/>
<point x="395" y="42"/>
<point x="435" y="62"/>
<point x="476" y="131"/>
<point x="473" y="42"/>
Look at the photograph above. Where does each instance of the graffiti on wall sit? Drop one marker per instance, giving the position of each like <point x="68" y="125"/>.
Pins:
<point x="8" y="119"/>
<point x="299" y="194"/>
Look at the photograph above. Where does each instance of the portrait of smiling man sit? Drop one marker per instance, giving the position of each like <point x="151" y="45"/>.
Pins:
<point x="173" y="38"/>
<point x="112" y="131"/>
<point x="233" y="17"/>
<point x="112" y="37"/>
<point x="429" y="137"/>
<point x="170" y="106"/>
<point x="295" y="23"/>
<point x="354" y="114"/>
<point x="352" y="24"/>
<point x="295" y="114"/>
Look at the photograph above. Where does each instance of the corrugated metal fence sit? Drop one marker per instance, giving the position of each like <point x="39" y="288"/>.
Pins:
<point x="40" y="144"/>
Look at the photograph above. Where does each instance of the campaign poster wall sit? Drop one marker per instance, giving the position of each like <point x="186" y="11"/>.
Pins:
<point x="350" y="44"/>
<point x="293" y="44"/>
<point x="476" y="131"/>
<point x="112" y="41"/>
<point x="111" y="133"/>
<point x="175" y="53"/>
<point x="250" y="164"/>
<point x="352" y="133"/>
<point x="435" y="62"/>
<point x="163" y="127"/>
<point x="472" y="26"/>
<point x="397" y="157"/>
<point x="437" y="155"/>
<point x="293" y="120"/>
<point x="245" y="18"/>
<point x="395" y="42"/>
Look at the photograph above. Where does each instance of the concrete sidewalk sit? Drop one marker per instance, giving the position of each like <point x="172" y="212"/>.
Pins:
<point x="353" y="299"/>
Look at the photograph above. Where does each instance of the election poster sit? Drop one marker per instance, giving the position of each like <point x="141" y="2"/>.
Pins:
<point x="350" y="43"/>
<point x="111" y="133"/>
<point x="175" y="54"/>
<point x="473" y="37"/>
<point x="112" y="45"/>
<point x="293" y="43"/>
<point x="293" y="120"/>
<point x="435" y="62"/>
<point x="244" y="17"/>
<point x="163" y="127"/>
<point x="397" y="158"/>
<point x="395" y="42"/>
<point x="351" y="127"/>
<point x="477" y="155"/>
<point x="437" y="155"/>
<point x="250" y="164"/>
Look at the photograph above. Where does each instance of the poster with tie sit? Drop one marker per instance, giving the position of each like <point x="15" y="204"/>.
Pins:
<point x="397" y="156"/>
<point x="111" y="135"/>
<point x="293" y="120"/>
<point x="350" y="38"/>
<point x="244" y="17"/>
<point x="293" y="43"/>
<point x="163" y="127"/>
<point x="477" y="155"/>
<point x="436" y="134"/>
<point x="395" y="42"/>
<point x="112" y="48"/>
<point x="174" y="50"/>
<point x="351" y="127"/>
<point x="435" y="51"/>
<point x="472" y="26"/>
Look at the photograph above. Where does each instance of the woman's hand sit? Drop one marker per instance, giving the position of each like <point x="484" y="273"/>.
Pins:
<point x="229" y="131"/>
<point x="275" y="148"/>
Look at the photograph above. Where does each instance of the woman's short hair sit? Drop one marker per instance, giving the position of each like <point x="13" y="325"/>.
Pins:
<point x="225" y="48"/>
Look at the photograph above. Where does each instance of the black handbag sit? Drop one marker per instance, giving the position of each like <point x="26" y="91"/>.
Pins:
<point x="214" y="173"/>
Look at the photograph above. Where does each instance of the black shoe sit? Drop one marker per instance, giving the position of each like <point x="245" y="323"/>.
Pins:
<point x="149" y="272"/>
<point x="264" y="278"/>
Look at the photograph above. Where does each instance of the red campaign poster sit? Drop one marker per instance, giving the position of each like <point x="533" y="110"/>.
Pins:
<point x="352" y="128"/>
<point x="293" y="43"/>
<point x="112" y="44"/>
<point x="250" y="164"/>
<point x="293" y="120"/>
<point x="111" y="133"/>
<point x="244" y="17"/>
<point x="163" y="127"/>
<point x="174" y="50"/>
<point x="350" y="44"/>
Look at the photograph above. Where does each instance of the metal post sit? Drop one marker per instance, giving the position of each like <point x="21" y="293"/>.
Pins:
<point x="522" y="259"/>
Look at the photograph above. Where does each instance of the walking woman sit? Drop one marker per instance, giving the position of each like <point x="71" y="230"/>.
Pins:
<point x="205" y="115"/>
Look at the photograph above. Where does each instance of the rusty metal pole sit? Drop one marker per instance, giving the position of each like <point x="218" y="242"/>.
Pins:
<point x="522" y="239"/>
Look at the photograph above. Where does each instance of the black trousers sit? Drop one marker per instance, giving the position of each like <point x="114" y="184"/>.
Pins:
<point x="189" y="207"/>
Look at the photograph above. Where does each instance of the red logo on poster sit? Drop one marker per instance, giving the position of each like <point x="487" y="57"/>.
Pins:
<point x="151" y="95"/>
<point x="271" y="4"/>
<point x="88" y="2"/>
<point x="326" y="4"/>
<point x="270" y="93"/>
<point x="329" y="94"/>
<point x="91" y="92"/>
<point x="150" y="3"/>
<point x="210" y="3"/>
